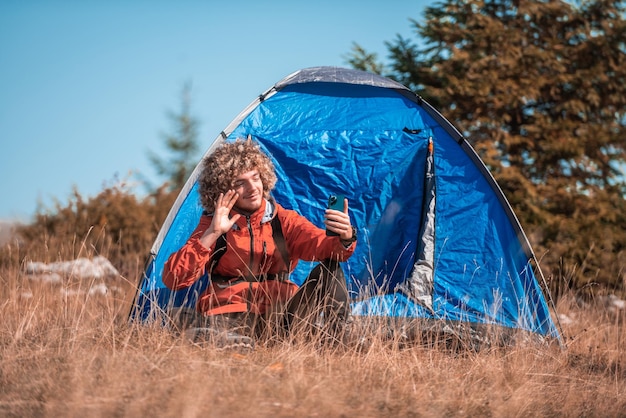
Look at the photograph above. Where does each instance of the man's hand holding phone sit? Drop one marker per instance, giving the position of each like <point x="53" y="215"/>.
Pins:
<point x="337" y="220"/>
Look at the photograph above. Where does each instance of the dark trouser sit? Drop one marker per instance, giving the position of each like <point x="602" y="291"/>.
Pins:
<point x="320" y="303"/>
<point x="322" y="299"/>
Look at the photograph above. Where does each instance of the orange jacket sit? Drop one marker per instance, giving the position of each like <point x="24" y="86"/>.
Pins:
<point x="251" y="251"/>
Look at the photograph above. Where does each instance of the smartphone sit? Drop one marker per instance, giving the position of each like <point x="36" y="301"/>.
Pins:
<point x="335" y="202"/>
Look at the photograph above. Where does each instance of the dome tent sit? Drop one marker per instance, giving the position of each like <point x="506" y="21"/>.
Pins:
<point x="437" y="237"/>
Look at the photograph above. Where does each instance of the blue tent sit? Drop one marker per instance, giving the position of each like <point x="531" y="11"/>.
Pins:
<point x="437" y="237"/>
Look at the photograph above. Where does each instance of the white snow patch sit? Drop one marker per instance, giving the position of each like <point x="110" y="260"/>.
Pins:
<point x="99" y="267"/>
<point x="565" y="320"/>
<point x="616" y="302"/>
<point x="71" y="292"/>
<point x="46" y="277"/>
<point x="98" y="289"/>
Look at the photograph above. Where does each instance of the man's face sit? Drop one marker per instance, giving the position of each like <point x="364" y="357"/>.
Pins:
<point x="250" y="189"/>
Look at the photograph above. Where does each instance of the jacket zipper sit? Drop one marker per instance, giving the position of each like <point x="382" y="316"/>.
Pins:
<point x="263" y="265"/>
<point x="251" y="266"/>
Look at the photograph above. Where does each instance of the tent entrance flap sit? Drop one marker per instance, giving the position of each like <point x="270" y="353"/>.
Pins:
<point x="419" y="284"/>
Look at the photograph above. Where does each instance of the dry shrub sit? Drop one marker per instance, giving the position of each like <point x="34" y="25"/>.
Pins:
<point x="66" y="352"/>
<point x="115" y="222"/>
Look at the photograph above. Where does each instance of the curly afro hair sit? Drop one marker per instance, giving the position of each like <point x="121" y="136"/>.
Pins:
<point x="230" y="160"/>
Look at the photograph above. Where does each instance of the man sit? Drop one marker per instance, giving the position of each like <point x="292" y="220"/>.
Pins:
<point x="249" y="244"/>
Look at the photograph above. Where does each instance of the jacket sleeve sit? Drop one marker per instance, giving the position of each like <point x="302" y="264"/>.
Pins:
<point x="187" y="265"/>
<point x="309" y="242"/>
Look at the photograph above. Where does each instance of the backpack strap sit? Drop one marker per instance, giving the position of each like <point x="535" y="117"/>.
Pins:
<point x="220" y="250"/>
<point x="279" y="240"/>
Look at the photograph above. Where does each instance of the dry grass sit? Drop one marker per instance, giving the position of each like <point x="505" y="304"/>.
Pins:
<point x="64" y="352"/>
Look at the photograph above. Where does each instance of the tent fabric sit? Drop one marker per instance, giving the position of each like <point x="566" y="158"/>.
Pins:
<point x="332" y="130"/>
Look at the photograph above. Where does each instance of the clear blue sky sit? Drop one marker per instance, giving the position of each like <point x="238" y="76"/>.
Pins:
<point x="85" y="85"/>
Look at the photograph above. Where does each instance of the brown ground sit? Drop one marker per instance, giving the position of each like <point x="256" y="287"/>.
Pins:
<point x="64" y="352"/>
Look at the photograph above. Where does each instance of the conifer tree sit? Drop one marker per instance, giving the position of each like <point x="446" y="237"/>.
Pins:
<point x="181" y="143"/>
<point x="539" y="89"/>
